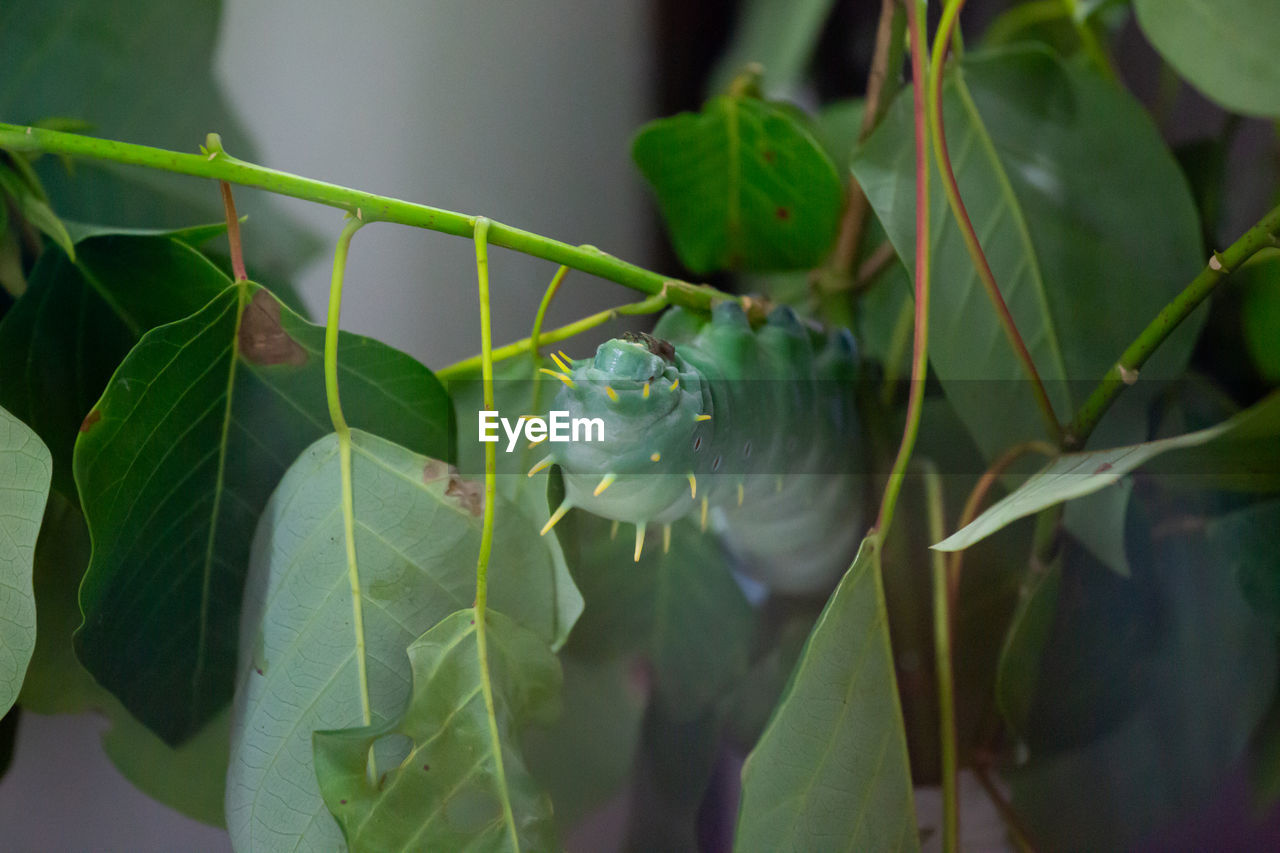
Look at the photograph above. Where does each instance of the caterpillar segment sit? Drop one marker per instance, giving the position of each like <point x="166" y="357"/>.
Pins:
<point x="752" y="437"/>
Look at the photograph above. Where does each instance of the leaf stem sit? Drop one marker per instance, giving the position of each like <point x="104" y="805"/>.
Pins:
<point x="217" y="164"/>
<point x="942" y="638"/>
<point x="482" y="227"/>
<point x="344" y="467"/>
<point x="1088" y="38"/>
<point x="973" y="504"/>
<point x="1125" y="371"/>
<point x="645" y="306"/>
<point x="920" y="355"/>
<point x="942" y="38"/>
<point x="233" y="233"/>
<point x="552" y="289"/>
<point x="886" y="62"/>
<point x="1021" y="837"/>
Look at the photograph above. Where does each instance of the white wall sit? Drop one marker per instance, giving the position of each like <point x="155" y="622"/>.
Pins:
<point x="521" y="111"/>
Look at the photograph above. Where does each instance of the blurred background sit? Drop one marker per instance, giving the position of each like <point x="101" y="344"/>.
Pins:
<point x="519" y="111"/>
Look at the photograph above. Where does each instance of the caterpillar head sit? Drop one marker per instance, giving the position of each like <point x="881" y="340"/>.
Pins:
<point x="651" y="406"/>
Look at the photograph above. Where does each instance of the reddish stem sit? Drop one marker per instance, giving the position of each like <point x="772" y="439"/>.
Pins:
<point x="233" y="233"/>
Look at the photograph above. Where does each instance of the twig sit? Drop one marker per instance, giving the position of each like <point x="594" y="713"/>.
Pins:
<point x="880" y="89"/>
<point x="942" y="645"/>
<point x="1125" y="371"/>
<point x="368" y="207"/>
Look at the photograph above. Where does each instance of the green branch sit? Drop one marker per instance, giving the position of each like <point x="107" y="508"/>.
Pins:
<point x="920" y="351"/>
<point x="942" y="630"/>
<point x="1125" y="371"/>
<point x="215" y="163"/>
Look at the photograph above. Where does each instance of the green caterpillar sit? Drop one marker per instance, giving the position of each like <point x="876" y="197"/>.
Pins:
<point x="752" y="432"/>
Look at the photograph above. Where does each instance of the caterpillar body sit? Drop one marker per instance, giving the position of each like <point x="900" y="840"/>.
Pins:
<point x="751" y="432"/>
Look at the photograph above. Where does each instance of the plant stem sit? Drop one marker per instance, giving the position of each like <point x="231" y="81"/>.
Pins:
<point x="535" y="334"/>
<point x="552" y="290"/>
<point x="368" y="207"/>
<point x="920" y="354"/>
<point x="645" y="306"/>
<point x="1125" y="371"/>
<point x="344" y="468"/>
<point x="881" y="87"/>
<point x="482" y="227"/>
<point x="973" y="504"/>
<point x="490" y="449"/>
<point x="235" y="247"/>
<point x="942" y="637"/>
<point x="942" y="38"/>
<point x="1089" y="39"/>
<point x="1012" y="821"/>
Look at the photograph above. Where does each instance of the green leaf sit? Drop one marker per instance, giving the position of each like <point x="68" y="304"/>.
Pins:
<point x="742" y="185"/>
<point x="417" y="539"/>
<point x="647" y="608"/>
<point x="34" y="208"/>
<point x="78" y="319"/>
<point x="1018" y="668"/>
<point x="1225" y="48"/>
<point x="1246" y="542"/>
<point x="674" y="768"/>
<point x="1259" y="286"/>
<point x="1148" y="689"/>
<point x="585" y="756"/>
<point x="193" y="235"/>
<point x="1240" y="452"/>
<point x="85" y="61"/>
<point x="25" y="472"/>
<point x="463" y="783"/>
<point x="1072" y="192"/>
<point x="779" y="35"/>
<point x="831" y="766"/>
<point x="190" y="778"/>
<point x="56" y="683"/>
<point x="174" y="465"/>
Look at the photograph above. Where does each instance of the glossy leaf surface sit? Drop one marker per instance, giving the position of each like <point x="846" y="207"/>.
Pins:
<point x="190" y="778"/>
<point x="742" y="185"/>
<point x="78" y="319"/>
<point x="1071" y="192"/>
<point x="175" y="463"/>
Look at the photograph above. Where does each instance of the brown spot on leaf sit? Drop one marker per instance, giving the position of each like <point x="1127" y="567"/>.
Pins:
<point x="89" y="420"/>
<point x="783" y="213"/>
<point x="1103" y="468"/>
<point x="262" y="339"/>
<point x="469" y="495"/>
<point x="770" y="157"/>
<point x="426" y="767"/>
